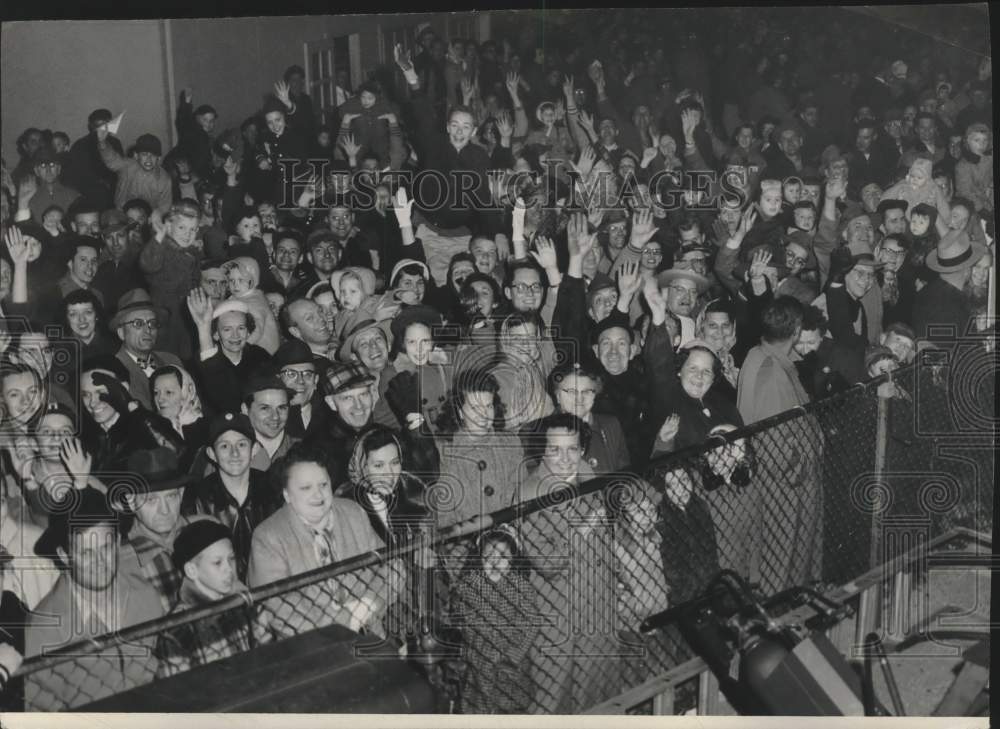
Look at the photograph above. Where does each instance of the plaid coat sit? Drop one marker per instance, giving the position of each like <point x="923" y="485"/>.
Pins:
<point x="155" y="562"/>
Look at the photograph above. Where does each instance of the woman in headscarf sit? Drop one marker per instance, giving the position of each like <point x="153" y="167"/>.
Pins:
<point x="175" y="396"/>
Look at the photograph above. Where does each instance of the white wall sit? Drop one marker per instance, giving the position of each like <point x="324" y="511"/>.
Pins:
<point x="54" y="73"/>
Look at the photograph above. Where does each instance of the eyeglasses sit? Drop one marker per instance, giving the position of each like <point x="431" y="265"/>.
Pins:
<point x="573" y="392"/>
<point x="893" y="252"/>
<point x="684" y="291"/>
<point x="298" y="375"/>
<point x="140" y="324"/>
<point x="652" y="252"/>
<point x="523" y="288"/>
<point x="792" y="260"/>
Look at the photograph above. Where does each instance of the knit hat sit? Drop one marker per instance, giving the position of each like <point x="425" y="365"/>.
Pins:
<point x="195" y="537"/>
<point x="148" y="143"/>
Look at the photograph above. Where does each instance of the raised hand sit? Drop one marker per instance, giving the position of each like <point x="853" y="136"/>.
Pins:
<point x="200" y="306"/>
<point x="513" y="82"/>
<point x="671" y="426"/>
<point x="404" y="59"/>
<point x="186" y="96"/>
<point x="350" y="147"/>
<point x="115" y="393"/>
<point x="643" y="228"/>
<point x="586" y="120"/>
<point x="468" y="90"/>
<point x="517" y="220"/>
<point x="17" y="244"/>
<point x="159" y="227"/>
<point x="27" y="189"/>
<point x="505" y="125"/>
<point x="648" y="155"/>
<point x="579" y="238"/>
<point x="76" y="460"/>
<point x="689" y="121"/>
<point x="629" y="281"/>
<point x="346" y="119"/>
<point x="281" y="91"/>
<point x="656" y="300"/>
<point x="584" y="166"/>
<point x="747" y="220"/>
<point x="836" y="188"/>
<point x="568" y="89"/>
<point x="403" y="208"/>
<point x="388" y="116"/>
<point x="759" y="263"/>
<point x="546" y="253"/>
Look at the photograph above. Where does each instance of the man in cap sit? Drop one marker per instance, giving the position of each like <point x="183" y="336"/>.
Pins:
<point x="139" y="177"/>
<point x="99" y="593"/>
<point x="367" y="342"/>
<point x="237" y="495"/>
<point x="137" y="322"/>
<point x="266" y="401"/>
<point x="942" y="304"/>
<point x="204" y="555"/>
<point x="85" y="171"/>
<point x="49" y="190"/>
<point x="156" y="506"/>
<point x="119" y="273"/>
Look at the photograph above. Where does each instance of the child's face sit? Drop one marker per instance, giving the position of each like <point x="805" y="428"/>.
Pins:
<point x="791" y="191"/>
<point x="917" y="178"/>
<point x="770" y="203"/>
<point x="978" y="143"/>
<point x="367" y="99"/>
<point x="34" y="248"/>
<point x="52" y="219"/>
<point x="60" y="145"/>
<point x="485" y="253"/>
<point x="497" y="558"/>
<point x="248" y="228"/>
<point x="418" y="343"/>
<point x="351" y="294"/>
<point x="239" y="282"/>
<point x="805" y="218"/>
<point x="919" y="224"/>
<point x="215" y="567"/>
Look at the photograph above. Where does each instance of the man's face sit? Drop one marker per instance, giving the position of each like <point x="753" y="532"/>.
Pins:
<point x="83" y="264"/>
<point x="93" y="556"/>
<point x="86" y="224"/>
<point x="796" y="257"/>
<point x="354" y="406"/>
<point x="275" y="122"/>
<point x="617" y="235"/>
<point x="35" y="351"/>
<point x="183" y="229"/>
<point x="614" y="349"/>
<point x="871" y="195"/>
<point x="231" y="332"/>
<point x="860" y="234"/>
<point x="214" y="283"/>
<point x="301" y="379"/>
<point x="693" y="261"/>
<point x="718" y="331"/>
<point x="232" y="452"/>
<point x="147" y="160"/>
<point x="576" y="395"/>
<point x="810" y="115"/>
<point x="460" y="127"/>
<point x="608" y="132"/>
<point x="268" y="412"/>
<point x="521" y="343"/>
<point x="926" y="130"/>
<point x="863" y="141"/>
<point x="206" y="122"/>
<point x="525" y="292"/>
<point x="324" y="256"/>
<point x="21" y="396"/>
<point x="307" y="318"/>
<point x="860" y="280"/>
<point x="810" y="193"/>
<point x="48" y="172"/>
<point x="790" y="142"/>
<point x="32" y="143"/>
<point x="341" y="221"/>
<point x="894" y="221"/>
<point x="563" y="453"/>
<point x="602" y="304"/>
<point x="838" y="169"/>
<point x="287" y="255"/>
<point x="902" y="346"/>
<point x="158" y="511"/>
<point x="944" y="185"/>
<point x="308" y="491"/>
<point x="681" y="297"/>
<point x="138" y="216"/>
<point x="117" y="243"/>
<point x="891" y="253"/>
<point x="808" y="341"/>
<point x="372" y="350"/>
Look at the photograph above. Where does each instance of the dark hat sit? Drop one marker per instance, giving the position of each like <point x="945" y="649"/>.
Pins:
<point x="267" y="380"/>
<point x="788" y="124"/>
<point x="600" y="282"/>
<point x="357" y="323"/>
<point x="205" y="109"/>
<point x="892" y="114"/>
<point x="341" y="377"/>
<point x="113" y="220"/>
<point x="615" y="319"/>
<point x="230" y="421"/>
<point x="273" y="104"/>
<point x="292" y="352"/>
<point x="44" y="154"/>
<point x="876" y="353"/>
<point x="418" y="313"/>
<point x="133" y="301"/>
<point x="99" y="116"/>
<point x="196" y="537"/>
<point x="83" y="509"/>
<point x="57" y="408"/>
<point x="148" y="143"/>
<point x="885" y="205"/>
<point x="107" y="363"/>
<point x="83" y="241"/>
<point x="160" y="471"/>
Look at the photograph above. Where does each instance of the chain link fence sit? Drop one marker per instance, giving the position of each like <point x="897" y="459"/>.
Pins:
<point x="536" y="608"/>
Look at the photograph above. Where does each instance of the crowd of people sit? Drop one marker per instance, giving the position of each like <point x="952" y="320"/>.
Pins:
<point x="505" y="270"/>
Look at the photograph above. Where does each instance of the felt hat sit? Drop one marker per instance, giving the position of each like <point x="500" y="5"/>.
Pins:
<point x="134" y="301"/>
<point x="600" y="282"/>
<point x="86" y="508"/>
<point x="665" y="278"/>
<point x="158" y="469"/>
<point x="356" y="324"/>
<point x="955" y="252"/>
<point x="113" y="220"/>
<point x="195" y="537"/>
<point x="292" y="352"/>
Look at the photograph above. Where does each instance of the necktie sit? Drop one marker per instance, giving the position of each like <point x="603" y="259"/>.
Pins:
<point x="148" y="362"/>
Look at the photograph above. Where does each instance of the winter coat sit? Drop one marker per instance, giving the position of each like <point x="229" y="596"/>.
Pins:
<point x="974" y="180"/>
<point x="172" y="272"/>
<point x="154" y="186"/>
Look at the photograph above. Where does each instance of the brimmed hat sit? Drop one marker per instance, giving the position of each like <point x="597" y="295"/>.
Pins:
<point x="88" y="508"/>
<point x="292" y="352"/>
<point x="665" y="278"/>
<point x="230" y="421"/>
<point x="148" y="143"/>
<point x="273" y="104"/>
<point x="133" y="301"/>
<point x="160" y="471"/>
<point x="342" y="377"/>
<point x="357" y="323"/>
<point x="876" y="353"/>
<point x="195" y="537"/>
<point x="955" y="252"/>
<point x="113" y="220"/>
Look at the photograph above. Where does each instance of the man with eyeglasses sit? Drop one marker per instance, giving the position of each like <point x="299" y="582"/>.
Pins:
<point x="294" y="364"/>
<point x="683" y="287"/>
<point x="137" y="322"/>
<point x="49" y="190"/>
<point x="852" y="276"/>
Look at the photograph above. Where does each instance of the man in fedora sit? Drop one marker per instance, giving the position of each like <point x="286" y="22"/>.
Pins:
<point x="682" y="288"/>
<point x="99" y="593"/>
<point x="137" y="322"/>
<point x="942" y="303"/>
<point x="156" y="506"/>
<point x="295" y="366"/>
<point x="367" y="342"/>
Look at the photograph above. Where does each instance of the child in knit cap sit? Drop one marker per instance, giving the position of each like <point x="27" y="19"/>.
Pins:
<point x="243" y="274"/>
<point x="354" y="287"/>
<point x="919" y="187"/>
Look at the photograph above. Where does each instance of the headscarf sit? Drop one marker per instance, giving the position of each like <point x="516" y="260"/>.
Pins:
<point x="190" y="402"/>
<point x="356" y="466"/>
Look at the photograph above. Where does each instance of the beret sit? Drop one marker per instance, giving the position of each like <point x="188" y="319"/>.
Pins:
<point x="195" y="538"/>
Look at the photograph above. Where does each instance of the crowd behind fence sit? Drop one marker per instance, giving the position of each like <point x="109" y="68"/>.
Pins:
<point x="802" y="498"/>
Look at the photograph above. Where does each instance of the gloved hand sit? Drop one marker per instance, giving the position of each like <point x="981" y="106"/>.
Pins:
<point x="116" y="396"/>
<point x="403" y="396"/>
<point x="841" y="263"/>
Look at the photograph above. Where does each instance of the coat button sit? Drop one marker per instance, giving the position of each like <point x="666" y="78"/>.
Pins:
<point x="423" y="401"/>
<point x="488" y="491"/>
<point x="482" y="465"/>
